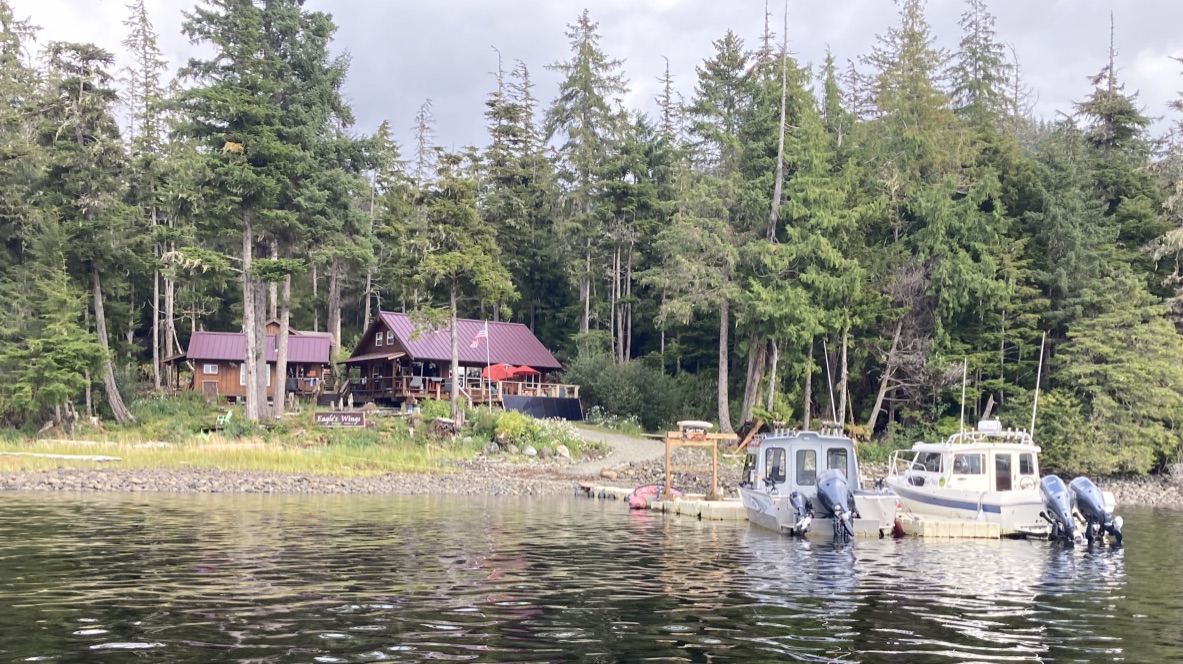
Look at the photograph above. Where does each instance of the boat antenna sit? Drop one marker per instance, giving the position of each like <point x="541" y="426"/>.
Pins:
<point x="964" y="372"/>
<point x="1038" y="376"/>
<point x="830" y="380"/>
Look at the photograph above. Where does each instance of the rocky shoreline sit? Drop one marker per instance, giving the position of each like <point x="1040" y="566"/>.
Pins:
<point x="480" y="477"/>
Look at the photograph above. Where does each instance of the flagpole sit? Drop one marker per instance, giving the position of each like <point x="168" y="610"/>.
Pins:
<point x="488" y="370"/>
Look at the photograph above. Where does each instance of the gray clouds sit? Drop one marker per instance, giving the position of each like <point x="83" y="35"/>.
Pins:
<point x="405" y="52"/>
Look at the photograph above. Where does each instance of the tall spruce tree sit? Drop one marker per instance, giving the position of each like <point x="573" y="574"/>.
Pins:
<point x="84" y="180"/>
<point x="585" y="115"/>
<point x="462" y="256"/>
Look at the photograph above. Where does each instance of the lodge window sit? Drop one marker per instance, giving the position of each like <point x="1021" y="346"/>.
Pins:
<point x="378" y="339"/>
<point x="209" y="369"/>
<point x="389" y="338"/>
<point x="967" y="464"/>
<point x="774" y="461"/>
<point x="806" y="467"/>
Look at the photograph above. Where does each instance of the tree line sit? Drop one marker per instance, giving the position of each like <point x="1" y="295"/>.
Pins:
<point x="789" y="241"/>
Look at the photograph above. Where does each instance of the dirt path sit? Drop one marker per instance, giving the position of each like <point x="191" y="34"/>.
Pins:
<point x="624" y="449"/>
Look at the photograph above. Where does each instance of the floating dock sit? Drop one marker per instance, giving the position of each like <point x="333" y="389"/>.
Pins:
<point x="931" y="527"/>
<point x="695" y="505"/>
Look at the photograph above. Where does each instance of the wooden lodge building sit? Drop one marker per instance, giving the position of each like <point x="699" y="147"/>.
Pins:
<point x="216" y="362"/>
<point x="397" y="361"/>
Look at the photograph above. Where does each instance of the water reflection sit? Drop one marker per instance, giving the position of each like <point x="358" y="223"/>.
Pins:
<point x="338" y="579"/>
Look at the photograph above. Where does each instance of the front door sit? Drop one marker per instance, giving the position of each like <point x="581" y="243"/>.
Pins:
<point x="1002" y="472"/>
<point x="210" y="387"/>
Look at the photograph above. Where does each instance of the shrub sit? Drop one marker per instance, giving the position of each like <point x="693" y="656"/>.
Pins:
<point x="515" y="427"/>
<point x="429" y="409"/>
<point x="639" y="391"/>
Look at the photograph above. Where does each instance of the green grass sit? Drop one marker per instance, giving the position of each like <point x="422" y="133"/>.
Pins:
<point x="622" y="428"/>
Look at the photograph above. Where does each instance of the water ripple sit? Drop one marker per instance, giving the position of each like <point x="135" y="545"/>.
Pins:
<point x="378" y="579"/>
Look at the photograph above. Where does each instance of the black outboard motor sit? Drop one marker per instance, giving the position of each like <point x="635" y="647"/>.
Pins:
<point x="833" y="493"/>
<point x="804" y="509"/>
<point x="1091" y="505"/>
<point x="1058" y="501"/>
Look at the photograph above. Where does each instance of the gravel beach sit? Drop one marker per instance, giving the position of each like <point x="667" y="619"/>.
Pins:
<point x="631" y="462"/>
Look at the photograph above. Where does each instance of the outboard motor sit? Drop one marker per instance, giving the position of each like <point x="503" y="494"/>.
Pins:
<point x="1091" y="505"/>
<point x="804" y="510"/>
<point x="833" y="493"/>
<point x="1058" y="501"/>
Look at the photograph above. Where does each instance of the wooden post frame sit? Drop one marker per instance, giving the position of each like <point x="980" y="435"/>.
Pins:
<point x="694" y="434"/>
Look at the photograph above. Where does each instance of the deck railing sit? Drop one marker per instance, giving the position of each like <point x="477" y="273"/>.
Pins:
<point x="439" y="388"/>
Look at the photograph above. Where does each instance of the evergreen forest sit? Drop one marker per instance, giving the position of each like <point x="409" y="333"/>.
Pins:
<point x="840" y="240"/>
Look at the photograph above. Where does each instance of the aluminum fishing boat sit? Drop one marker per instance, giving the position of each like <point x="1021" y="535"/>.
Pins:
<point x="800" y="482"/>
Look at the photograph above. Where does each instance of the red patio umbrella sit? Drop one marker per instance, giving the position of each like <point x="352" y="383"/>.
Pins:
<point x="524" y="370"/>
<point x="499" y="371"/>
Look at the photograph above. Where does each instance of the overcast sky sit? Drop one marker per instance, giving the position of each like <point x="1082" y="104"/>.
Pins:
<point x="407" y="51"/>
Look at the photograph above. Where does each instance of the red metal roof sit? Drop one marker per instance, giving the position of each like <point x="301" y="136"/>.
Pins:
<point x="509" y="343"/>
<point x="232" y="346"/>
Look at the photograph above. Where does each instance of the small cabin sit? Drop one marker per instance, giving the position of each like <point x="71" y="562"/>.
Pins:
<point x="216" y="363"/>
<point x="399" y="360"/>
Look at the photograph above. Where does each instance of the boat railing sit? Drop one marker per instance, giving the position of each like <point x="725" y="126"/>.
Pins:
<point x="1015" y="436"/>
<point x="899" y="464"/>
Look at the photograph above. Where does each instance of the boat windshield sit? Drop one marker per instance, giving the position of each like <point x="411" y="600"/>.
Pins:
<point x="806" y="467"/>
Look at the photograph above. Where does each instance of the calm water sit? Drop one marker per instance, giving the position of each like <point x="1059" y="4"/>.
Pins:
<point x="346" y="579"/>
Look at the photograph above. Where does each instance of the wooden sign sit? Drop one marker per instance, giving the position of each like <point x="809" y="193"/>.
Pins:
<point x="341" y="419"/>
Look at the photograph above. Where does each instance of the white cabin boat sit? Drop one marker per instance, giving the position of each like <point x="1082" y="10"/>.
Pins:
<point x="787" y="465"/>
<point x="987" y="474"/>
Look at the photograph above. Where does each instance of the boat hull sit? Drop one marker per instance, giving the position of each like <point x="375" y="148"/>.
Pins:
<point x="776" y="512"/>
<point x="1015" y="512"/>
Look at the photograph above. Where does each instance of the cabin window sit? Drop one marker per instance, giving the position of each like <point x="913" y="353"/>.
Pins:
<point x="389" y="338"/>
<point x="209" y="369"/>
<point x="774" y="461"/>
<point x="242" y="374"/>
<point x="1002" y="472"/>
<point x="1026" y="464"/>
<point x="836" y="459"/>
<point x="806" y="467"/>
<point x="930" y="461"/>
<point x="967" y="464"/>
<point x="378" y="339"/>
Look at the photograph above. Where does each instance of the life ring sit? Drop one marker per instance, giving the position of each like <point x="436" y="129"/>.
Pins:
<point x="1027" y="482"/>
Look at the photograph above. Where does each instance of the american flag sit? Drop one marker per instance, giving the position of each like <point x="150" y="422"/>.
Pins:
<point x="482" y="334"/>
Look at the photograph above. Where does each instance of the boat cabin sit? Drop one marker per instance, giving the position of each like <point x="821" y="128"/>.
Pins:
<point x="792" y="461"/>
<point x="987" y="459"/>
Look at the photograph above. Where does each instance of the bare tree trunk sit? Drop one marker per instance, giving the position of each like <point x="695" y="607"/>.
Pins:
<point x="170" y="327"/>
<point x="628" y="284"/>
<point x="888" y="369"/>
<point x="281" y="353"/>
<point x="724" y="396"/>
<point x="754" y="378"/>
<point x="772" y="346"/>
<point x="842" y="378"/>
<point x="114" y="400"/>
<point x="157" y="360"/>
<point x="613" y="319"/>
<point x="808" y="387"/>
<point x="585" y="290"/>
<point x="455" y="392"/>
<point x="369" y="292"/>
<point x="263" y="370"/>
<point x="273" y="287"/>
<point x="252" y="408"/>
<point x="315" y="299"/>
<point x="335" y="302"/>
<point x="86" y="373"/>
